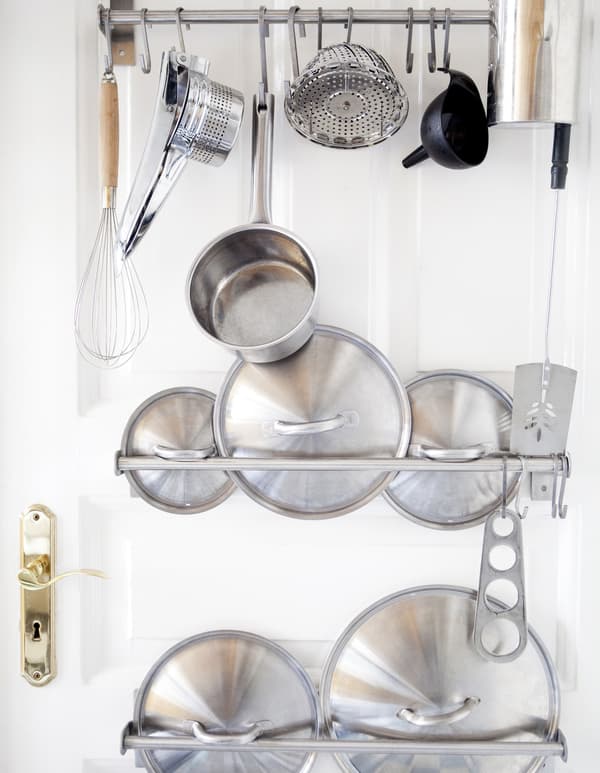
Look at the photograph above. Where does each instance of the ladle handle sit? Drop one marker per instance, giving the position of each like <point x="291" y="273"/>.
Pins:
<point x="109" y="131"/>
<point x="418" y="155"/>
<point x="262" y="157"/>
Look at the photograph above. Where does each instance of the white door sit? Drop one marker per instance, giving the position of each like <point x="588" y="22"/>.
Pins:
<point x="437" y="269"/>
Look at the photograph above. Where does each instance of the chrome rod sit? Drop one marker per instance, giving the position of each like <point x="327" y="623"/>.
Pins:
<point x="276" y="16"/>
<point x="327" y="746"/>
<point x="489" y="464"/>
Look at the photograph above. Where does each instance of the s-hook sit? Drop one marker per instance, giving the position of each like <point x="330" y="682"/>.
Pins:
<point x="108" y="57"/>
<point x="410" y="57"/>
<point x="348" y="24"/>
<point x="145" y="60"/>
<point x="263" y="86"/>
<point x="319" y="28"/>
<point x="447" y="23"/>
<point x="292" y="38"/>
<point x="521" y="513"/>
<point x="431" y="57"/>
<point x="179" y="30"/>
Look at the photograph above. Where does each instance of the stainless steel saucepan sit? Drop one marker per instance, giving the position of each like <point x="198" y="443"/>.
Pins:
<point x="254" y="288"/>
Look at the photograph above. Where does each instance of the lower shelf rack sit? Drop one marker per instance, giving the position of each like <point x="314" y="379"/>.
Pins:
<point x="131" y="741"/>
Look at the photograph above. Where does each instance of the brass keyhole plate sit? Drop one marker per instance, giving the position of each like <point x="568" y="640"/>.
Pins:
<point x="38" y="664"/>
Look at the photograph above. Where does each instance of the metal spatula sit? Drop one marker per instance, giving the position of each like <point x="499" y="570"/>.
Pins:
<point x="543" y="392"/>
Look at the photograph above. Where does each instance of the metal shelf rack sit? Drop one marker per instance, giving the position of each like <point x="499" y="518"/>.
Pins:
<point x="131" y="741"/>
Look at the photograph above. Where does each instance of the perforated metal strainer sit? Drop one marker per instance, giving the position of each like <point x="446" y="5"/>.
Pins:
<point x="347" y="96"/>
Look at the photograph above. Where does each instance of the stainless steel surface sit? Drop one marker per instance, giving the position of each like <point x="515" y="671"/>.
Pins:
<point x="131" y="741"/>
<point x="303" y="16"/>
<point x="37" y="534"/>
<point x="543" y="391"/>
<point x="347" y="96"/>
<point x="335" y="373"/>
<point x="194" y="118"/>
<point x="513" y="616"/>
<point x="537" y="464"/>
<point x="123" y="40"/>
<point x="228" y="681"/>
<point x="177" y="424"/>
<point x="414" y="650"/>
<point x="534" y="61"/>
<point x="453" y="410"/>
<point x="254" y="289"/>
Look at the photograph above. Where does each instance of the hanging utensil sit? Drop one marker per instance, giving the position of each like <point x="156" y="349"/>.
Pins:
<point x="347" y="96"/>
<point x="254" y="288"/>
<point x="194" y="118"/>
<point x="454" y="130"/>
<point x="111" y="314"/>
<point x="544" y="391"/>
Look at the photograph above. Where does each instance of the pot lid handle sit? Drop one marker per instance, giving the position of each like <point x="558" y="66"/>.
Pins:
<point x="446" y="718"/>
<point x="343" y="419"/>
<point x="467" y="454"/>
<point x="183" y="454"/>
<point x="251" y="733"/>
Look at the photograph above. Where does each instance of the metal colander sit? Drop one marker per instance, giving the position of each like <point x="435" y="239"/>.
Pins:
<point x="211" y="118"/>
<point x="347" y="96"/>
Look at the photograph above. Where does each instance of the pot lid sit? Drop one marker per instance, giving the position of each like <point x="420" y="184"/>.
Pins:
<point x="227" y="684"/>
<point x="407" y="668"/>
<point x="338" y="396"/>
<point x="462" y="412"/>
<point x="176" y="423"/>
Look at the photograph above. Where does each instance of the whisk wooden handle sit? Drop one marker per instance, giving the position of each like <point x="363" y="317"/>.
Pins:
<point x="109" y="132"/>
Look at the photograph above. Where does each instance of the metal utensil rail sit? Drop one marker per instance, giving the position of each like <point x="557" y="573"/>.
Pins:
<point x="302" y="16"/>
<point x="130" y="740"/>
<point x="547" y="464"/>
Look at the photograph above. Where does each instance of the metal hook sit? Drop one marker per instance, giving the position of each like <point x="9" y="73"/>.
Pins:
<point x="319" y="28"/>
<point x="431" y="58"/>
<point x="504" y="484"/>
<point x="262" y="34"/>
<point x="410" y="57"/>
<point x="292" y="38"/>
<point x="562" y="508"/>
<point x="348" y="24"/>
<point x="145" y="60"/>
<point x="554" y="511"/>
<point x="179" y="30"/>
<point x="108" y="57"/>
<point x="521" y="514"/>
<point x="447" y="23"/>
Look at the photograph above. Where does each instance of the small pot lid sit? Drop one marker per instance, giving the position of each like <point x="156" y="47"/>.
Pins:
<point x="460" y="412"/>
<point x="338" y="396"/>
<point x="412" y="654"/>
<point x="176" y="423"/>
<point x="226" y="685"/>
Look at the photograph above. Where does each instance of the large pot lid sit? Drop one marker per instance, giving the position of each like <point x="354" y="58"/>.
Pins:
<point x="413" y="652"/>
<point x="169" y="423"/>
<point x="336" y="397"/>
<point x="228" y="683"/>
<point x="460" y="411"/>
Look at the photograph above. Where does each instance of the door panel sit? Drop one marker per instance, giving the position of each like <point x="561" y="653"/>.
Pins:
<point x="439" y="269"/>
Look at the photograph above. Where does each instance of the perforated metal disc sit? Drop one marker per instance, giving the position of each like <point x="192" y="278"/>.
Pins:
<point x="346" y="97"/>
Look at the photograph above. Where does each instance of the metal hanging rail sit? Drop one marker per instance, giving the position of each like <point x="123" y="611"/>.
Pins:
<point x="558" y="464"/>
<point x="130" y="740"/>
<point x="280" y="16"/>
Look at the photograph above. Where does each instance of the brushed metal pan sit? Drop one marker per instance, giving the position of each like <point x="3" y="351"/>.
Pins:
<point x="457" y="416"/>
<point x="227" y="686"/>
<point x="337" y="396"/>
<point x="407" y="668"/>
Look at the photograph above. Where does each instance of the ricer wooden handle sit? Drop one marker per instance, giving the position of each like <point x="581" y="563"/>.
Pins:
<point x="109" y="131"/>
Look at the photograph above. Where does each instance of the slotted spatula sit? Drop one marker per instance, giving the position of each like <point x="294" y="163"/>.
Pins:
<point x="543" y="392"/>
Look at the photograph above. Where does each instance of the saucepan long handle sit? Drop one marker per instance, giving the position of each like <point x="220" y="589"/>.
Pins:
<point x="262" y="157"/>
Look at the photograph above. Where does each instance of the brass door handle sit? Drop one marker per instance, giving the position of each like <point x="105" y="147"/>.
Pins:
<point x="36" y="575"/>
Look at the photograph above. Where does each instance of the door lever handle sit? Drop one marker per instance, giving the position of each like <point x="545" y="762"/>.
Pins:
<point x="36" y="575"/>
